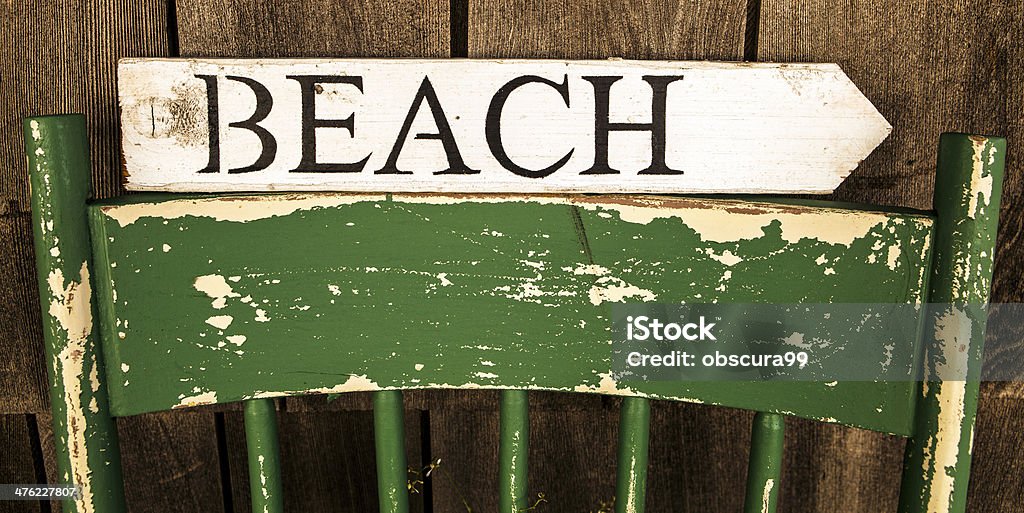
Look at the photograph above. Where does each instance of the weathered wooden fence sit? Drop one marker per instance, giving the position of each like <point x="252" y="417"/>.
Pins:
<point x="929" y="66"/>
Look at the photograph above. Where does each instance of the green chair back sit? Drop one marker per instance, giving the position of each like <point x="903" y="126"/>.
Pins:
<point x="157" y="302"/>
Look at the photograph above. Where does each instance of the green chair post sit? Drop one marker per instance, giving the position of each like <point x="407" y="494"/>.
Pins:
<point x="85" y="435"/>
<point x="968" y="187"/>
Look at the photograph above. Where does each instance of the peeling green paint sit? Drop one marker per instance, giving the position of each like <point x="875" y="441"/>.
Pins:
<point x="967" y="192"/>
<point x="84" y="434"/>
<point x="336" y="293"/>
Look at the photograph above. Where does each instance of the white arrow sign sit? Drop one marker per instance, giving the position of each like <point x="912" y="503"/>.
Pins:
<point x="491" y="126"/>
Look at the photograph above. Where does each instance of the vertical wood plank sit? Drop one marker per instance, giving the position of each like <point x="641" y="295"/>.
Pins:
<point x="834" y="468"/>
<point x="23" y="381"/>
<point x="460" y="437"/>
<point x="314" y="28"/>
<point x="56" y="56"/>
<point x="171" y="462"/>
<point x="634" y="29"/>
<point x="998" y="462"/>
<point x="698" y="457"/>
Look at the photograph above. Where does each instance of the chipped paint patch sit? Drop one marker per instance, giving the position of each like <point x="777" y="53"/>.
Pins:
<point x="71" y="307"/>
<point x="713" y="220"/>
<point x="199" y="399"/>
<point x="727" y="257"/>
<point x="607" y="386"/>
<point x="614" y="290"/>
<point x="766" y="495"/>
<point x="216" y="287"/>
<point x="980" y="193"/>
<point x="892" y="258"/>
<point x="443" y="277"/>
<point x="953" y="339"/>
<point x="608" y="288"/>
<point x="236" y="209"/>
<point x="718" y="221"/>
<point x="220" y="321"/>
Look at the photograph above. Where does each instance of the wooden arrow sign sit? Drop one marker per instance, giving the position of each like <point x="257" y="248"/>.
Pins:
<point x="491" y="126"/>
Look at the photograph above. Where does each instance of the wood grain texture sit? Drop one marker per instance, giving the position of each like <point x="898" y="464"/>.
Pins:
<point x="635" y="29"/>
<point x="467" y="476"/>
<point x="17" y="464"/>
<point x="698" y="458"/>
<point x="171" y="463"/>
<point x="327" y="460"/>
<point x="926" y="77"/>
<point x="572" y="455"/>
<point x="315" y="28"/>
<point x="23" y="376"/>
<point x="58" y="56"/>
<point x="44" y="427"/>
<point x="997" y="467"/>
<point x="831" y="468"/>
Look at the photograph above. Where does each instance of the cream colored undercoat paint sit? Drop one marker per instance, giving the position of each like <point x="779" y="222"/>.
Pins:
<point x="238" y="209"/>
<point x="607" y="386"/>
<point x="766" y="496"/>
<point x="71" y="307"/>
<point x="952" y="332"/>
<point x="199" y="399"/>
<point x="354" y="383"/>
<point x="220" y="321"/>
<point x="714" y="220"/>
<point x="216" y="287"/>
<point x="980" y="193"/>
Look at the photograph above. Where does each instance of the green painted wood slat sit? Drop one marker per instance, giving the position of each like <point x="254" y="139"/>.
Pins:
<point x="513" y="451"/>
<point x="262" y="446"/>
<point x="491" y="291"/>
<point x="84" y="433"/>
<point x="765" y="463"/>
